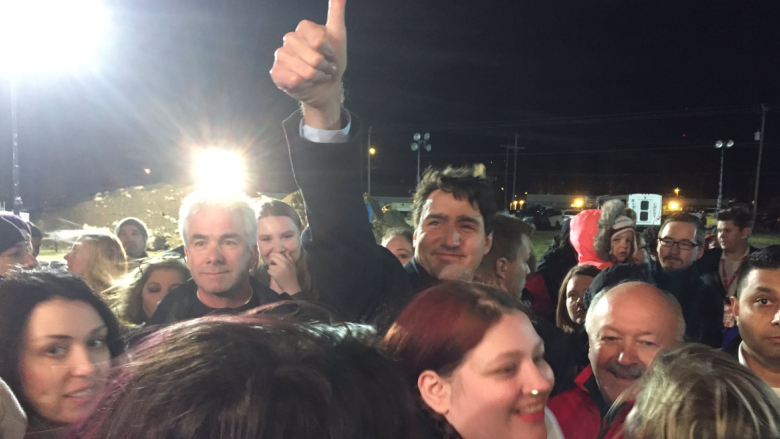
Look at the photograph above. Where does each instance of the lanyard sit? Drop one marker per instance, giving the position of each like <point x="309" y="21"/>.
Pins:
<point x="727" y="283"/>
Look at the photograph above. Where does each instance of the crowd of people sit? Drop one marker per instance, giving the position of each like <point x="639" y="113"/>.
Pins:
<point x="265" y="324"/>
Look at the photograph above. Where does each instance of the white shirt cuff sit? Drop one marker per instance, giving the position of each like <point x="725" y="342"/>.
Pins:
<point x="327" y="136"/>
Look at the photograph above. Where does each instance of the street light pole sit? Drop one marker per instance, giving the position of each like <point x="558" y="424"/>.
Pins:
<point x="764" y="109"/>
<point x="420" y="142"/>
<point x="371" y="151"/>
<point x="722" y="146"/>
<point x="15" y="146"/>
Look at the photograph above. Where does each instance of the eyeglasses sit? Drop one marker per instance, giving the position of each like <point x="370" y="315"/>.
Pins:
<point x="682" y="245"/>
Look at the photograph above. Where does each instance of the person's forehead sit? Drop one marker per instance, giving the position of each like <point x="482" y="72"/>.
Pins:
<point x="398" y="241"/>
<point x="767" y="280"/>
<point x="129" y="228"/>
<point x="441" y="202"/>
<point x="635" y="310"/>
<point x="726" y="224"/>
<point x="214" y="218"/>
<point x="678" y="230"/>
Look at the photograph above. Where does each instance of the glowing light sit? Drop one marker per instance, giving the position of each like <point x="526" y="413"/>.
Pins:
<point x="148" y="171"/>
<point x="673" y="205"/>
<point x="677" y="191"/>
<point x="372" y="150"/>
<point x="219" y="171"/>
<point x="51" y="34"/>
<point x="579" y="202"/>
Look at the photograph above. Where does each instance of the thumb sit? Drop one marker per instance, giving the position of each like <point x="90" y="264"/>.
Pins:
<point x="335" y="25"/>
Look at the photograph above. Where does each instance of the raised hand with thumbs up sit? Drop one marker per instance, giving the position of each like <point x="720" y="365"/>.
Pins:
<point x="309" y="67"/>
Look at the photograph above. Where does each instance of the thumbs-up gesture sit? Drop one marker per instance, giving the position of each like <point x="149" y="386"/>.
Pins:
<point x="310" y="64"/>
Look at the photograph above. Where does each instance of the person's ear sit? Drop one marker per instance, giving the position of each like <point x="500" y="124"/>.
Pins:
<point x="746" y="233"/>
<point x="735" y="306"/>
<point x="700" y="252"/>
<point x="501" y="268"/>
<point x="488" y="242"/>
<point x="435" y="391"/>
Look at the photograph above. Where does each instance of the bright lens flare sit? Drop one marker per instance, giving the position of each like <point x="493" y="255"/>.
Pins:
<point x="219" y="171"/>
<point x="673" y="205"/>
<point x="38" y="35"/>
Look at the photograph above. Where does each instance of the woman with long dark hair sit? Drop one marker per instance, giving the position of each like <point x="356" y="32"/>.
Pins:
<point x="57" y="339"/>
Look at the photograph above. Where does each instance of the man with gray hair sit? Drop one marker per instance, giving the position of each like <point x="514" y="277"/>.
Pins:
<point x="627" y="325"/>
<point x="219" y="233"/>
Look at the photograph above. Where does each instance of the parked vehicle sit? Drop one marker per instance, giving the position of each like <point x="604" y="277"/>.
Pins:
<point x="648" y="208"/>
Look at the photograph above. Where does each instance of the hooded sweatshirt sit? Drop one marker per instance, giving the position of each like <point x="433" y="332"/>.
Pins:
<point x="584" y="227"/>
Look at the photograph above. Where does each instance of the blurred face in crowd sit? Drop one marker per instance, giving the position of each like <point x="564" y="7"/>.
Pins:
<point x="79" y="257"/>
<point x="758" y="312"/>
<point x="490" y="394"/>
<point x="575" y="291"/>
<point x="518" y="270"/>
<point x="36" y="245"/>
<point x="15" y="257"/>
<point x="622" y="246"/>
<point x="675" y="258"/>
<point x="401" y="248"/>
<point x="132" y="240"/>
<point x="730" y="236"/>
<point x="629" y="325"/>
<point x="218" y="253"/>
<point x="450" y="239"/>
<point x="278" y="234"/>
<point x="640" y="257"/>
<point x="64" y="359"/>
<point x="159" y="284"/>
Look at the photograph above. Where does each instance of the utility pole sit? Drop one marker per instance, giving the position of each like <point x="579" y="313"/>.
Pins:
<point x="515" y="148"/>
<point x="764" y="109"/>
<point x="369" y="161"/>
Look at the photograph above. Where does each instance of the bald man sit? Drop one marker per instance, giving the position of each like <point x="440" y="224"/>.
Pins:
<point x="627" y="325"/>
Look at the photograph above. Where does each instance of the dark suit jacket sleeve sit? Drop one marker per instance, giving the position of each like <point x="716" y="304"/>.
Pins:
<point x="349" y="269"/>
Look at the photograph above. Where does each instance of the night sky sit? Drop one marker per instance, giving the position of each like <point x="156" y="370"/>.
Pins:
<point x="606" y="96"/>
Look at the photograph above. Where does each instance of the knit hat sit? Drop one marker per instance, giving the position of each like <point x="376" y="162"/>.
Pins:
<point x="623" y="224"/>
<point x="16" y="220"/>
<point x="135" y="222"/>
<point x="10" y="235"/>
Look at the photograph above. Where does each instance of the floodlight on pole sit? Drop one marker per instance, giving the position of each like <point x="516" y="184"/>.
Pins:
<point x="420" y="143"/>
<point x="722" y="147"/>
<point x="219" y="171"/>
<point x="40" y="35"/>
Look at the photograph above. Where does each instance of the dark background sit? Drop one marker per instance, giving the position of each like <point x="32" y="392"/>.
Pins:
<point x="606" y="96"/>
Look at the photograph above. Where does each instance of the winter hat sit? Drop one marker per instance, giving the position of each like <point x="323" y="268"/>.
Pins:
<point x="135" y="222"/>
<point x="623" y="224"/>
<point x="16" y="220"/>
<point x="10" y="235"/>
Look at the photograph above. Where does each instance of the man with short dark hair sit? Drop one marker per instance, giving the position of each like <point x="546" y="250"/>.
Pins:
<point x="757" y="312"/>
<point x="680" y="244"/>
<point x="506" y="264"/>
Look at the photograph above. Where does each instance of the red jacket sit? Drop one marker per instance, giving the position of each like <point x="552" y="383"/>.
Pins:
<point x="582" y="229"/>
<point x="581" y="411"/>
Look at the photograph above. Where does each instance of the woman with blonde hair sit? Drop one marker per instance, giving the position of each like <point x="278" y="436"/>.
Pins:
<point x="697" y="392"/>
<point x="98" y="258"/>
<point x="135" y="296"/>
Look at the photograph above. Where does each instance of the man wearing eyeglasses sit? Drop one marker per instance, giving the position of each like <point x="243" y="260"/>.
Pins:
<point x="680" y="244"/>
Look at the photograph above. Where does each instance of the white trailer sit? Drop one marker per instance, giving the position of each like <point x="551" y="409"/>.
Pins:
<point x="648" y="208"/>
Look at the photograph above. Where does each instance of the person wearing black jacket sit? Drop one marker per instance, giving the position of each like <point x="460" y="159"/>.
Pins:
<point x="556" y="262"/>
<point x="219" y="232"/>
<point x="353" y="275"/>
<point x="679" y="245"/>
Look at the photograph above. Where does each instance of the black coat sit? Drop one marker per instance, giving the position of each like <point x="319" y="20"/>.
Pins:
<point x="710" y="270"/>
<point x="183" y="304"/>
<point x="355" y="276"/>
<point x="702" y="307"/>
<point x="556" y="262"/>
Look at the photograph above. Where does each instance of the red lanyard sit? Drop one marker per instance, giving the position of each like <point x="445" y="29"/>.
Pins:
<point x="727" y="283"/>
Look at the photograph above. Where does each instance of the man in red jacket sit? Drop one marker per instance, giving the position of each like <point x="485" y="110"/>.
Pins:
<point x="627" y="326"/>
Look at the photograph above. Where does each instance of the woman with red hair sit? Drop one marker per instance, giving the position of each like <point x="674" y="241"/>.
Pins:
<point x="471" y="353"/>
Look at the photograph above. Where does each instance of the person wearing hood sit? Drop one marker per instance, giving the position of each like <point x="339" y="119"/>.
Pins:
<point x="14" y="251"/>
<point x="616" y="239"/>
<point x="584" y="229"/>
